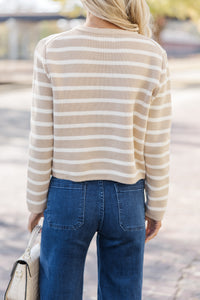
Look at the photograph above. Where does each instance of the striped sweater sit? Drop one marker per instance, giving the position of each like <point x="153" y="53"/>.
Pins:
<point x="101" y="110"/>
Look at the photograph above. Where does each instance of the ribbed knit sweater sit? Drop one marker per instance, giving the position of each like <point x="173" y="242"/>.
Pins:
<point x="101" y="110"/>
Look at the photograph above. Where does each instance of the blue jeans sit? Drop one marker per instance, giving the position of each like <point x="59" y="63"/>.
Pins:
<point x="75" y="212"/>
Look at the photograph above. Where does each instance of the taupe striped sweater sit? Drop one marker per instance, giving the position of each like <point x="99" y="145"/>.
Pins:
<point x="101" y="109"/>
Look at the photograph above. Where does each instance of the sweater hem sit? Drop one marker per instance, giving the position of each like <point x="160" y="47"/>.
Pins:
<point x="112" y="177"/>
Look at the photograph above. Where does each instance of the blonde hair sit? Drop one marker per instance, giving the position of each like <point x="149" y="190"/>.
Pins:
<point x="133" y="15"/>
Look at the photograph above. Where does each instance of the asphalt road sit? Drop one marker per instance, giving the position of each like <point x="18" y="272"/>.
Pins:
<point x="172" y="258"/>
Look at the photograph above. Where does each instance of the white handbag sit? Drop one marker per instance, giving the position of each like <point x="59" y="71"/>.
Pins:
<point x="24" y="277"/>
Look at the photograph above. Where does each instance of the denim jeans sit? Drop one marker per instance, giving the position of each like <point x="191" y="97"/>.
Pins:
<point x="75" y="212"/>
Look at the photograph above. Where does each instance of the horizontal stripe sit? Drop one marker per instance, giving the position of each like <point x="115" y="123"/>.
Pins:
<point x="107" y="100"/>
<point x="139" y="161"/>
<point x="41" y="110"/>
<point x="37" y="193"/>
<point x="158" y="198"/>
<point x="143" y="117"/>
<point x="93" y="125"/>
<point x="103" y="112"/>
<point x="157" y="177"/>
<point x="104" y="75"/>
<point x="47" y="149"/>
<point x="162" y="95"/>
<point x="40" y="83"/>
<point x="102" y="87"/>
<point x="97" y="62"/>
<point x="161" y="107"/>
<point x="157" y="167"/>
<point x="97" y="136"/>
<point x="42" y="124"/>
<point x="157" y="188"/>
<point x="139" y="128"/>
<point x="39" y="183"/>
<point x="156" y="144"/>
<point x="36" y="202"/>
<point x="41" y="137"/>
<point x="139" y="152"/>
<point x="159" y="119"/>
<point x="155" y="132"/>
<point x="63" y="150"/>
<point x="156" y="208"/>
<point x="38" y="171"/>
<point x="99" y="100"/>
<point x="157" y="155"/>
<point x="103" y="50"/>
<point x="104" y="38"/>
<point x="111" y="149"/>
<point x="41" y="97"/>
<point x="81" y="137"/>
<point x="42" y="161"/>
<point x="93" y="112"/>
<point x="103" y="125"/>
<point x="96" y="172"/>
<point x="95" y="160"/>
<point x="117" y="63"/>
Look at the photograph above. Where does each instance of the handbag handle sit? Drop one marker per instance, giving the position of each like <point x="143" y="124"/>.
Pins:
<point x="34" y="233"/>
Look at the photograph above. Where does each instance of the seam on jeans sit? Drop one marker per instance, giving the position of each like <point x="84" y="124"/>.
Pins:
<point x="66" y="187"/>
<point x="100" y="225"/>
<point x="128" y="190"/>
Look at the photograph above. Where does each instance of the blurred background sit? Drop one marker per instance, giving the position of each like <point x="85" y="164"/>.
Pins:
<point x="172" y="258"/>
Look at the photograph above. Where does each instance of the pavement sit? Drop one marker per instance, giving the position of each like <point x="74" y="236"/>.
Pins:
<point x="172" y="258"/>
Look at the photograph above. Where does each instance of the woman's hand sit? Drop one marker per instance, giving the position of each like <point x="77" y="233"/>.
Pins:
<point x="152" y="228"/>
<point x="33" y="220"/>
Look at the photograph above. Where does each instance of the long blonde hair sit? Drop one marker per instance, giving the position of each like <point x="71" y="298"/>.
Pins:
<point x="133" y="15"/>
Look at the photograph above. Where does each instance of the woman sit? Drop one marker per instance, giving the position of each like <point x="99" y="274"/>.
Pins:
<point x="99" y="139"/>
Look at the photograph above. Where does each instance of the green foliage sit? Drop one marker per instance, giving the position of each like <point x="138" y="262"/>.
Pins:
<point x="180" y="9"/>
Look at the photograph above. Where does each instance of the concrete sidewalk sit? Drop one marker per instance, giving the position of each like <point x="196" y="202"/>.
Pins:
<point x="172" y="258"/>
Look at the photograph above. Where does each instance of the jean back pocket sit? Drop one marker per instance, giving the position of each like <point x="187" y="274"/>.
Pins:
<point x="131" y="205"/>
<point x="65" y="204"/>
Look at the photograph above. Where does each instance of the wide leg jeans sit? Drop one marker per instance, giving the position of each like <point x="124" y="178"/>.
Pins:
<point x="75" y="212"/>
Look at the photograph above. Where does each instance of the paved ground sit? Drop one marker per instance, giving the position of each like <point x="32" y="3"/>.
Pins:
<point x="172" y="259"/>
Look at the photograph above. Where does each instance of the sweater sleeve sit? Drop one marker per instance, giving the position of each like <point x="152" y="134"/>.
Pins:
<point x="157" y="146"/>
<point x="41" y="134"/>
